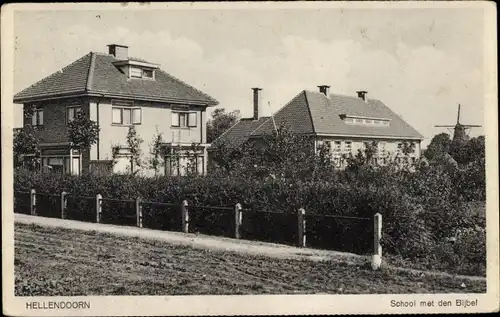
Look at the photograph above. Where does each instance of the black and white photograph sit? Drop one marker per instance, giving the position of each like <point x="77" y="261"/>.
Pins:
<point x="194" y="152"/>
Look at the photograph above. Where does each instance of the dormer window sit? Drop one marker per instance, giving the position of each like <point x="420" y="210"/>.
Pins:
<point x="147" y="73"/>
<point x="137" y="68"/>
<point x="369" y="121"/>
<point x="137" y="72"/>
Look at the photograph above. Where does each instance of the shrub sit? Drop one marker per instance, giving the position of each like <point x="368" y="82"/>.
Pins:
<point x="422" y="209"/>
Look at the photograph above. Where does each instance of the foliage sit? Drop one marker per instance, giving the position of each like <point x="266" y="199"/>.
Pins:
<point x="469" y="151"/>
<point x="220" y="122"/>
<point x="440" y="144"/>
<point x="424" y="207"/>
<point x="82" y="132"/>
<point x="157" y="153"/>
<point x="134" y="142"/>
<point x="25" y="142"/>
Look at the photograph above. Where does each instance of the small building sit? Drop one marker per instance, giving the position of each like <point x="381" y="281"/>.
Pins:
<point x="343" y="124"/>
<point x="117" y="92"/>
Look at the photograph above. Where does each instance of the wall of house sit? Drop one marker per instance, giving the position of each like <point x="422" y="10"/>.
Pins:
<point x="154" y="116"/>
<point x="54" y="129"/>
<point x="391" y="145"/>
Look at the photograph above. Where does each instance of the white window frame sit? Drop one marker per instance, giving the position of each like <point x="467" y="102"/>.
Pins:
<point x="126" y="105"/>
<point x="36" y="117"/>
<point x="187" y="115"/>
<point x="142" y="71"/>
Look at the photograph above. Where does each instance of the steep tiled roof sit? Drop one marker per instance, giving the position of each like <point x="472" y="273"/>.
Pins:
<point x="313" y="112"/>
<point x="240" y="132"/>
<point x="71" y="79"/>
<point x="95" y="74"/>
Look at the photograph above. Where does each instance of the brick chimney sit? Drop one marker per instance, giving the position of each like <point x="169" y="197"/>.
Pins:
<point x="120" y="52"/>
<point x="362" y="94"/>
<point x="325" y="90"/>
<point x="256" y="102"/>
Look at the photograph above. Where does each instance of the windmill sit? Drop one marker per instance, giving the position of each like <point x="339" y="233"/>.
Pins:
<point x="460" y="131"/>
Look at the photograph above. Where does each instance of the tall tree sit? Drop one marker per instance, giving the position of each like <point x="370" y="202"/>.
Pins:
<point x="220" y="123"/>
<point x="439" y="146"/>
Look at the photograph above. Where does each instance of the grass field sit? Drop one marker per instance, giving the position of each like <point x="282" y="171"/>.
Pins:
<point x="53" y="261"/>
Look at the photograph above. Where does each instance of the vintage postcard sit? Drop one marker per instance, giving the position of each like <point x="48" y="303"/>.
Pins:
<point x="249" y="158"/>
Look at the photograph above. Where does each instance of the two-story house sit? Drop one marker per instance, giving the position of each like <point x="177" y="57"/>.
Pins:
<point x="343" y="124"/>
<point x="116" y="91"/>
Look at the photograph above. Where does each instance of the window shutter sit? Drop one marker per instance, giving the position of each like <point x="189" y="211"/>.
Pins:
<point x="33" y="118"/>
<point x="175" y="119"/>
<point x="136" y="116"/>
<point x="192" y="120"/>
<point x="40" y="117"/>
<point x="117" y="115"/>
<point x="135" y="72"/>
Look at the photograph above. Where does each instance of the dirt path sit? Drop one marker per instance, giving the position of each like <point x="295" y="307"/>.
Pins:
<point x="205" y="242"/>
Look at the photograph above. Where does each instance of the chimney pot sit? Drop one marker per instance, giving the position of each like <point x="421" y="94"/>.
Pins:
<point x="325" y="90"/>
<point x="362" y="94"/>
<point x="256" y="102"/>
<point x="120" y="52"/>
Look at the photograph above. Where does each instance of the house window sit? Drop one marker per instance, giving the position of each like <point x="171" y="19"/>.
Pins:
<point x="136" y="72"/>
<point x="71" y="113"/>
<point x="347" y="147"/>
<point x="147" y="73"/>
<point x="37" y="117"/>
<point x="126" y="115"/>
<point x="400" y="148"/>
<point x="184" y="119"/>
<point x="382" y="152"/>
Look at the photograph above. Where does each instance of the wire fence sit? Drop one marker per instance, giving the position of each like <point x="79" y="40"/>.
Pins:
<point x="295" y="227"/>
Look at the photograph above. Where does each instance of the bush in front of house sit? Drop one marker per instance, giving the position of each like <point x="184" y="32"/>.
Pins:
<point x="425" y="213"/>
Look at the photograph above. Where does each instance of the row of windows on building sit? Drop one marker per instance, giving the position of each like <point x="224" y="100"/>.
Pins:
<point x="351" y="120"/>
<point x="125" y="115"/>
<point x="339" y="148"/>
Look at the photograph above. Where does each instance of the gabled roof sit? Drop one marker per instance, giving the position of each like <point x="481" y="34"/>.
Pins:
<point x="240" y="132"/>
<point x="314" y="113"/>
<point x="95" y="74"/>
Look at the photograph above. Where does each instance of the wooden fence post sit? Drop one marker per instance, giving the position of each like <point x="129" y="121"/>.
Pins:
<point x="98" y="207"/>
<point x="138" y="211"/>
<point x="33" y="202"/>
<point x="301" y="218"/>
<point x="63" y="205"/>
<point x="238" y="220"/>
<point x="377" y="236"/>
<point x="185" y="216"/>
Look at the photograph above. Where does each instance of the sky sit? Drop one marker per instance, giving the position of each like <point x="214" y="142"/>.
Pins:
<point x="420" y="62"/>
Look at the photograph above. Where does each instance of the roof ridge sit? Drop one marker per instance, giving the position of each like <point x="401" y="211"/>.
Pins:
<point x="184" y="83"/>
<point x="309" y="110"/>
<point x="90" y="75"/>
<point x="281" y="109"/>
<point x="53" y="74"/>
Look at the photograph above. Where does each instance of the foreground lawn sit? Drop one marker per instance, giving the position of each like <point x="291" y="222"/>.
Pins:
<point x="50" y="262"/>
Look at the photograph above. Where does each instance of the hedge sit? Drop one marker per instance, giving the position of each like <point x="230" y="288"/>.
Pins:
<point x="422" y="211"/>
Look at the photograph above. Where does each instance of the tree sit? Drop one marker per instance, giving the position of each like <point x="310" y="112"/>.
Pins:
<point x="82" y="132"/>
<point x="157" y="152"/>
<point x="439" y="146"/>
<point x="25" y="142"/>
<point x="134" y="142"/>
<point x="220" y="123"/>
<point x="469" y="151"/>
